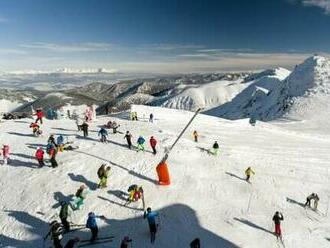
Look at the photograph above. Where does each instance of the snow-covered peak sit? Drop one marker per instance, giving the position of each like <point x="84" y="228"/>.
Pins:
<point x="278" y="72"/>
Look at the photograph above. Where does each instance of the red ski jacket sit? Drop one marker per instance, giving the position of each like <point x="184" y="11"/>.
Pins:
<point x="153" y="142"/>
<point x="40" y="154"/>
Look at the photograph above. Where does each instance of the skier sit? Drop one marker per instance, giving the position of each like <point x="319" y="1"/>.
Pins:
<point x="5" y="154"/>
<point x="140" y="142"/>
<point x="195" y="243"/>
<point x="311" y="197"/>
<point x="92" y="225"/>
<point x="60" y="143"/>
<point x="104" y="134"/>
<point x="248" y="173"/>
<point x="115" y="127"/>
<point x="64" y="214"/>
<point x="103" y="174"/>
<point x="153" y="143"/>
<point x="84" y="128"/>
<point x="215" y="148"/>
<point x="80" y="196"/>
<point x="35" y="129"/>
<point x="51" y="140"/>
<point x="128" y="138"/>
<point x="52" y="155"/>
<point x="40" y="157"/>
<point x="151" y="217"/>
<point x="195" y="135"/>
<point x="72" y="242"/>
<point x="125" y="242"/>
<point x="39" y="115"/>
<point x="277" y="218"/>
<point x="151" y="118"/>
<point x="55" y="232"/>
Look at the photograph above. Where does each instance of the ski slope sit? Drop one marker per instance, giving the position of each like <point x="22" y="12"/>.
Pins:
<point x="208" y="197"/>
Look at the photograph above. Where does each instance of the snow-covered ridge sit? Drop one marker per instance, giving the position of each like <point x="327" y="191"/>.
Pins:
<point x="62" y="71"/>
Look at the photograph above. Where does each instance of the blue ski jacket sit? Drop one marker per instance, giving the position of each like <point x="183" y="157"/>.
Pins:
<point x="151" y="217"/>
<point x="91" y="221"/>
<point x="141" y="140"/>
<point x="60" y="140"/>
<point x="103" y="132"/>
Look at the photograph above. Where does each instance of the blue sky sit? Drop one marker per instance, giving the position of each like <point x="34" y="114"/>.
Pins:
<point x="161" y="35"/>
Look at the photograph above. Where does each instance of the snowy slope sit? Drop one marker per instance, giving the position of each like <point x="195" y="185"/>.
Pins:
<point x="205" y="96"/>
<point x="207" y="198"/>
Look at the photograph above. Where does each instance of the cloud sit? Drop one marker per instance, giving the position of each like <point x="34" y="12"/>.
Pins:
<point x="12" y="51"/>
<point x="323" y="4"/>
<point x="79" y="47"/>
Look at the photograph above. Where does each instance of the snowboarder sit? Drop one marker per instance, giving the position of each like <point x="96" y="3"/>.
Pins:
<point x="153" y="143"/>
<point x="64" y="214"/>
<point x="140" y="142"/>
<point x="60" y="143"/>
<point x="72" y="242"/>
<point x="151" y="118"/>
<point x="248" y="173"/>
<point x="103" y="174"/>
<point x="92" y="225"/>
<point x="5" y="154"/>
<point x="125" y="242"/>
<point x="151" y="217"/>
<point x="55" y="232"/>
<point x="80" y="196"/>
<point x="128" y="138"/>
<point x="277" y="218"/>
<point x="311" y="197"/>
<point x="104" y="134"/>
<point x="195" y="243"/>
<point x="195" y="135"/>
<point x="52" y="155"/>
<point x="40" y="157"/>
<point x="215" y="148"/>
<point x="39" y="115"/>
<point x="84" y="128"/>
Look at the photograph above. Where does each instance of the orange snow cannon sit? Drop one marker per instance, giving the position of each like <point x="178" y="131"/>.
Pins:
<point x="163" y="174"/>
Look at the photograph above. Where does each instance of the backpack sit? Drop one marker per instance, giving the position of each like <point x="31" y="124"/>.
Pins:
<point x="100" y="172"/>
<point x="79" y="191"/>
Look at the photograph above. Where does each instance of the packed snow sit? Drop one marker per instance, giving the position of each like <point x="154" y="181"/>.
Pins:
<point x="208" y="196"/>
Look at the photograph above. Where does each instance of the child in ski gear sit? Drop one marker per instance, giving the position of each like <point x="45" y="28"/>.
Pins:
<point x="135" y="193"/>
<point x="52" y="155"/>
<point x="39" y="115"/>
<point x="40" y="156"/>
<point x="92" y="225"/>
<point x="104" y="134"/>
<point x="5" y="154"/>
<point x="140" y="143"/>
<point x="215" y="148"/>
<point x="195" y="135"/>
<point x="151" y="217"/>
<point x="64" y="214"/>
<point x="114" y="127"/>
<point x="153" y="143"/>
<point x="55" y="232"/>
<point x="151" y="118"/>
<point x="311" y="197"/>
<point x="60" y="143"/>
<point x="103" y="174"/>
<point x="72" y="242"/>
<point x="125" y="242"/>
<point x="195" y="243"/>
<point x="81" y="196"/>
<point x="277" y="218"/>
<point x="128" y="138"/>
<point x="35" y="129"/>
<point x="84" y="128"/>
<point x="248" y="173"/>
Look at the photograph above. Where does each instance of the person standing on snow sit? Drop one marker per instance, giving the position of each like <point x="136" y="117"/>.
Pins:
<point x="84" y="128"/>
<point x="151" y="217"/>
<point x="195" y="135"/>
<point x="56" y="234"/>
<point x="51" y="140"/>
<point x="153" y="143"/>
<point x="248" y="173"/>
<point x="140" y="142"/>
<point x="311" y="197"/>
<point x="92" y="225"/>
<point x="104" y="134"/>
<point x="81" y="196"/>
<point x="5" y="154"/>
<point x="40" y="157"/>
<point x="215" y="148"/>
<point x="103" y="174"/>
<point x="52" y="155"/>
<point x="60" y="143"/>
<point x="115" y="127"/>
<point x="125" y="242"/>
<point x="151" y="118"/>
<point x="277" y="218"/>
<point x="39" y="115"/>
<point x="64" y="214"/>
<point x="128" y="138"/>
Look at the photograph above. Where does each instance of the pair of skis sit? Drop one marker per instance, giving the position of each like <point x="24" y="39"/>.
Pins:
<point x="87" y="242"/>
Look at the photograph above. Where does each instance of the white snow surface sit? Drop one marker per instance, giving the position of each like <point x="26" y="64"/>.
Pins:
<point x="208" y="197"/>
